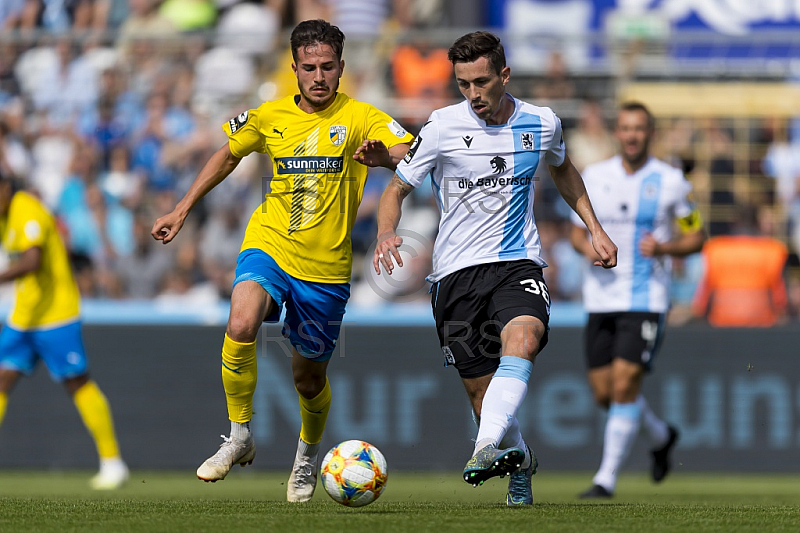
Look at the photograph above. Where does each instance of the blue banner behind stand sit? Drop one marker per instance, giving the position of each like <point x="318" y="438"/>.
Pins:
<point x="696" y="30"/>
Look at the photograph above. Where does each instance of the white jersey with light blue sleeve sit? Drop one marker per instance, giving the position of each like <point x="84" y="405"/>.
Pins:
<point x="483" y="178"/>
<point x="629" y="206"/>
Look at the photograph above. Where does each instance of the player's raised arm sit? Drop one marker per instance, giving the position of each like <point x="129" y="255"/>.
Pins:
<point x="215" y="170"/>
<point x="570" y="184"/>
<point x="389" y="210"/>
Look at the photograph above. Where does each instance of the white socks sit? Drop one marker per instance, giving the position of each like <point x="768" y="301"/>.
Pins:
<point x="306" y="449"/>
<point x="513" y="439"/>
<point x="240" y="431"/>
<point x="503" y="397"/>
<point x="656" y="428"/>
<point x="622" y="427"/>
<point x="112" y="463"/>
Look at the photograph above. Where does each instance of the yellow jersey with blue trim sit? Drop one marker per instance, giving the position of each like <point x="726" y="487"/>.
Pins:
<point x="311" y="201"/>
<point x="48" y="296"/>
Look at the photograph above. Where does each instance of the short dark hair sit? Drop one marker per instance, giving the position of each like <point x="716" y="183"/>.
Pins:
<point x="10" y="180"/>
<point x="475" y="45"/>
<point x="311" y="32"/>
<point x="638" y="106"/>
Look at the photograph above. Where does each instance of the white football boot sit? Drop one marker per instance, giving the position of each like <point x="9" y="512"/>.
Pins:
<point x="303" y="479"/>
<point x="231" y="452"/>
<point x="112" y="475"/>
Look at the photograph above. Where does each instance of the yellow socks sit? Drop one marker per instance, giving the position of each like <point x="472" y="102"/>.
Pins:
<point x="3" y="402"/>
<point x="96" y="414"/>
<point x="314" y="414"/>
<point x="239" y="376"/>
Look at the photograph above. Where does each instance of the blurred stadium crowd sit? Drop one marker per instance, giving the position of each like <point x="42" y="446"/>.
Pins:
<point x="108" y="109"/>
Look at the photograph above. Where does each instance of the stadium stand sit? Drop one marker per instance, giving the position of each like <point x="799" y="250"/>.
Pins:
<point x="107" y="115"/>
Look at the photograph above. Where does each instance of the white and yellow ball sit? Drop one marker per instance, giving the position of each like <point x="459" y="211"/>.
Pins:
<point x="354" y="473"/>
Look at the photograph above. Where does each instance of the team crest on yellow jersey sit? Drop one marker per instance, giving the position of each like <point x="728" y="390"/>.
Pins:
<point x="338" y="134"/>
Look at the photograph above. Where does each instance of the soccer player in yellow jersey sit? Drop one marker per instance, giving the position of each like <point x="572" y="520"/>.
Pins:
<point x="296" y="251"/>
<point x="44" y="323"/>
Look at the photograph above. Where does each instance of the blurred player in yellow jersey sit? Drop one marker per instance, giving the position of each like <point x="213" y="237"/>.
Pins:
<point x="44" y="323"/>
<point x="296" y="251"/>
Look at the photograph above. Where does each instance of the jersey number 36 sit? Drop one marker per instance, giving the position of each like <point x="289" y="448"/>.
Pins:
<point x="536" y="287"/>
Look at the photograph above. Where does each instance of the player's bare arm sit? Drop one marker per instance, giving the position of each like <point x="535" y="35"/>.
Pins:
<point x="28" y="261"/>
<point x="374" y="153"/>
<point x="389" y="211"/>
<point x="215" y="170"/>
<point x="579" y="238"/>
<point x="685" y="243"/>
<point x="570" y="184"/>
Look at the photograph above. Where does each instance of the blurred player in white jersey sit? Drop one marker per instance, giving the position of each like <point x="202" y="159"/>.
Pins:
<point x="489" y="297"/>
<point x="639" y="200"/>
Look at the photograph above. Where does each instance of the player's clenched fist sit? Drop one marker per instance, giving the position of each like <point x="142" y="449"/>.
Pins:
<point x="167" y="227"/>
<point x="606" y="249"/>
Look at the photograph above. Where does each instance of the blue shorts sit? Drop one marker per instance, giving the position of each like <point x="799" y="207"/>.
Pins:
<point x="314" y="310"/>
<point x="60" y="348"/>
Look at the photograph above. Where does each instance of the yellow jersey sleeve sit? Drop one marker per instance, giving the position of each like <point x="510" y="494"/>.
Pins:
<point x="245" y="134"/>
<point x="384" y="128"/>
<point x="26" y="225"/>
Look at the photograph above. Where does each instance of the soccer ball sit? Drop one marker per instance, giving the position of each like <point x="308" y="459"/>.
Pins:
<point x="354" y="473"/>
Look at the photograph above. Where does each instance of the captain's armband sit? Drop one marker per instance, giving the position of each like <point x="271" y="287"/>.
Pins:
<point x="691" y="223"/>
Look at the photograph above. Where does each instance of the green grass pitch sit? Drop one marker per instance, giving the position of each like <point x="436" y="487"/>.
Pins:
<point x="253" y="501"/>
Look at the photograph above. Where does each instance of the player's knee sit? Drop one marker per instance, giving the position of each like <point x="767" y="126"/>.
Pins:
<point x="531" y="346"/>
<point x="8" y="378"/>
<point x="242" y="328"/>
<point x="74" y="384"/>
<point x="625" y="392"/>
<point x="309" y="385"/>
<point x="523" y="338"/>
<point x="525" y="344"/>
<point x="602" y="399"/>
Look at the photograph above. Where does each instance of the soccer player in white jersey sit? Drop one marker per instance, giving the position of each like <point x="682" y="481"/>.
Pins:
<point x="639" y="200"/>
<point x="488" y="295"/>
